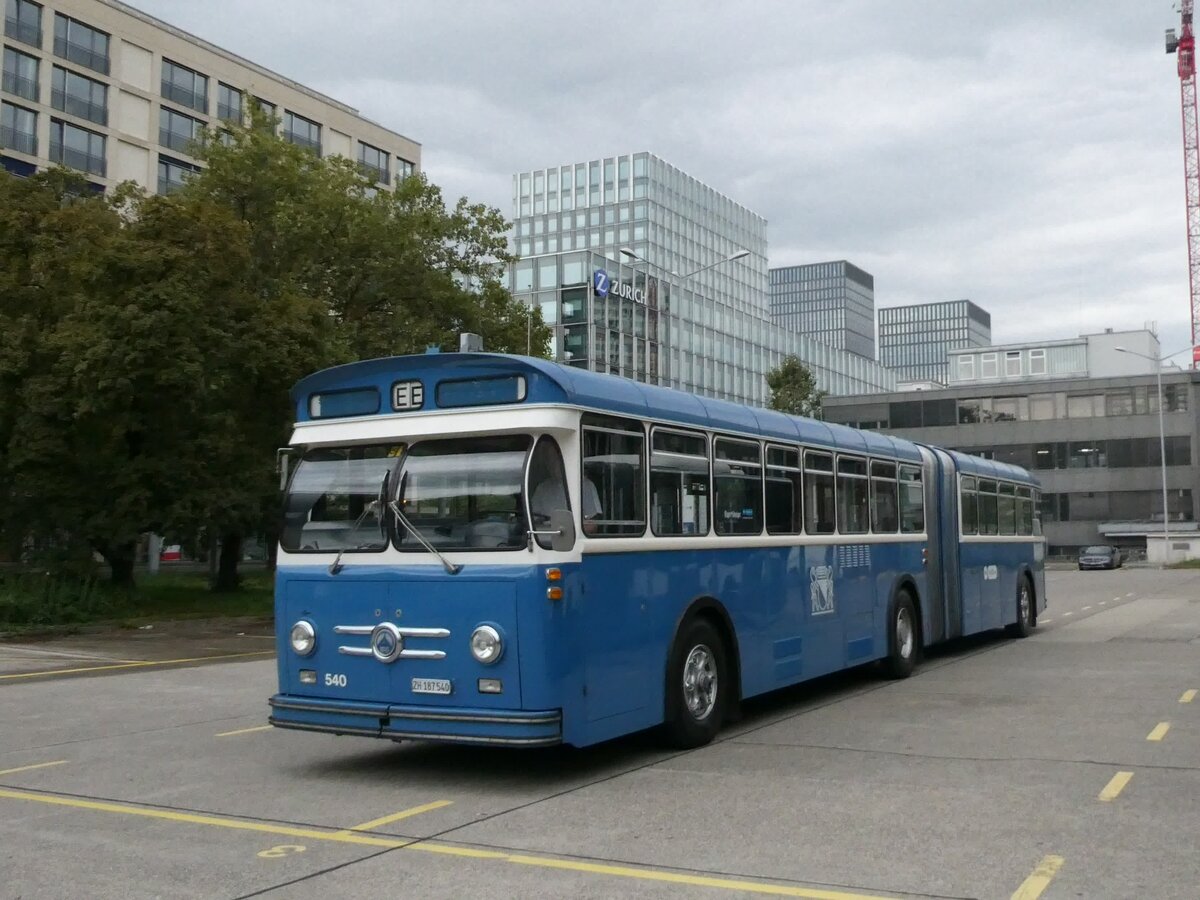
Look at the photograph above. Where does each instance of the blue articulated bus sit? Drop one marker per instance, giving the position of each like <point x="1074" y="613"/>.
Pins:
<point x="490" y="549"/>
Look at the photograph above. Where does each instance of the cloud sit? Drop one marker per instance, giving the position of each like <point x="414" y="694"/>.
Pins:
<point x="1026" y="156"/>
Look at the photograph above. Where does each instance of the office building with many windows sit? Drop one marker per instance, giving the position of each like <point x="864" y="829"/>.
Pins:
<point x="914" y="340"/>
<point x="831" y="302"/>
<point x="1091" y="439"/>
<point x="600" y="245"/>
<point x="106" y="89"/>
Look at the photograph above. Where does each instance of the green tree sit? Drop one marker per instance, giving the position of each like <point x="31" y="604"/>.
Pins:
<point x="794" y="389"/>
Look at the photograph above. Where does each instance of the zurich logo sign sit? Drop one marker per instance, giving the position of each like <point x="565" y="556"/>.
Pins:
<point x="603" y="286"/>
<point x="601" y="282"/>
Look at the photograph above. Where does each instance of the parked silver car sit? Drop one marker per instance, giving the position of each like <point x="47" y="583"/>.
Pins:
<point x="1100" y="557"/>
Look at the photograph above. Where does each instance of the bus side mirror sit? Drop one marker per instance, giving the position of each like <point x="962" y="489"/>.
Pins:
<point x="562" y="522"/>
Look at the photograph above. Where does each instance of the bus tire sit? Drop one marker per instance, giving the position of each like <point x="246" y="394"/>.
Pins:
<point x="1023" y="627"/>
<point x="697" y="685"/>
<point x="903" y="637"/>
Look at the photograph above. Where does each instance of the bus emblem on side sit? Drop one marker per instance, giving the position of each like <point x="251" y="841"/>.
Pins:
<point x="821" y="589"/>
<point x="408" y="395"/>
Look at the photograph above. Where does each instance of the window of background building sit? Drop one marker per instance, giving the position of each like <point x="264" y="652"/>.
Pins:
<point x="966" y="367"/>
<point x="79" y="96"/>
<point x="18" y="129"/>
<point x="302" y="132"/>
<point x="21" y="74"/>
<point x="229" y="103"/>
<point x="23" y="22"/>
<point x="1085" y="406"/>
<point x="374" y="164"/>
<point x="177" y="131"/>
<point x="1037" y="362"/>
<point x="77" y="148"/>
<point x="1041" y="407"/>
<point x="184" y="86"/>
<point x="987" y="365"/>
<point x="80" y="44"/>
<point x="1012" y="363"/>
<point x="172" y="173"/>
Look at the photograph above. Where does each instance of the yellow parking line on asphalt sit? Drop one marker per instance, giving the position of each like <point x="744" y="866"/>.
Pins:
<point x="245" y="730"/>
<point x="136" y="665"/>
<point x="1115" y="785"/>
<point x="1188" y="696"/>
<point x="1031" y="888"/>
<point x="1159" y="732"/>
<point x="396" y="817"/>
<point x="57" y="762"/>
<point x="636" y="873"/>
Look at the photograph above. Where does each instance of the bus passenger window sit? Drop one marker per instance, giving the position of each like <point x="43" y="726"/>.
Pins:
<point x="820" y="508"/>
<point x="969" y="502"/>
<point x="679" y="483"/>
<point x="988" y="514"/>
<point x="852" y="493"/>
<point x="885" y="512"/>
<point x="783" y="491"/>
<point x="1007" y="507"/>
<point x="737" y="470"/>
<point x="1024" y="511"/>
<point x="912" y="501"/>
<point x="547" y="487"/>
<point x="613" y="490"/>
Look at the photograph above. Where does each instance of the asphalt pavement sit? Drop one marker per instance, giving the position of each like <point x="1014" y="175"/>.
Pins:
<point x="1064" y="765"/>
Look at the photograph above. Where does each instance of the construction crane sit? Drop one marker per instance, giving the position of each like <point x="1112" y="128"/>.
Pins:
<point x="1184" y="47"/>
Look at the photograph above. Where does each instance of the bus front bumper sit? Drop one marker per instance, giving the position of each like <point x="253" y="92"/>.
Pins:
<point x="503" y="727"/>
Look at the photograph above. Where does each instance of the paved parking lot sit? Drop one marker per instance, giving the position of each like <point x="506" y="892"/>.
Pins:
<point x="1066" y="765"/>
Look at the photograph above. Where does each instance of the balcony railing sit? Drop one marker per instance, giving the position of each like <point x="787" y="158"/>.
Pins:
<point x="85" y="109"/>
<point x="77" y="159"/>
<point x="21" y="141"/>
<point x="22" y="86"/>
<point x="378" y="174"/>
<point x="176" y="141"/>
<point x="85" y="56"/>
<point x="23" y="32"/>
<point x="303" y="141"/>
<point x="229" y="113"/>
<point x="185" y="96"/>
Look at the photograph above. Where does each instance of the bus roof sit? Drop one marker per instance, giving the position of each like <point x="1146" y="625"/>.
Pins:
<point x="551" y="382"/>
<point x="990" y="468"/>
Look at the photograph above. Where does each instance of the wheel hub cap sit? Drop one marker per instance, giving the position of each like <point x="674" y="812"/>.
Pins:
<point x="905" y="637"/>
<point x="700" y="682"/>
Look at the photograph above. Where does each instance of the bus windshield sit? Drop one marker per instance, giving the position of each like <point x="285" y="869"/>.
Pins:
<point x="465" y="493"/>
<point x="333" y="500"/>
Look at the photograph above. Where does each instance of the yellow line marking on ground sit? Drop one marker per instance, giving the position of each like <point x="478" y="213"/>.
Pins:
<point x="245" y="730"/>
<point x="1159" y="732"/>
<point x="1031" y="888"/>
<point x="396" y="817"/>
<point x="1115" y="786"/>
<point x="57" y="762"/>
<point x="353" y="837"/>
<point x="1188" y="696"/>
<point x="137" y="665"/>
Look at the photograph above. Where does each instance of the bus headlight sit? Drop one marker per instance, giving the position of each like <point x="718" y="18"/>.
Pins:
<point x="303" y="638"/>
<point x="486" y="645"/>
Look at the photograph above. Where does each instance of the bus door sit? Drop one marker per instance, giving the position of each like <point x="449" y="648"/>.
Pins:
<point x="941" y="498"/>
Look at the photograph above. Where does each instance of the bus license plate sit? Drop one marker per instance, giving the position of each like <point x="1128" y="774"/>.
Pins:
<point x="431" y="685"/>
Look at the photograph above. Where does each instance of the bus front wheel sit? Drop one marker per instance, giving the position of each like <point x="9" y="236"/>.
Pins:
<point x="697" y="682"/>
<point x="903" y="637"/>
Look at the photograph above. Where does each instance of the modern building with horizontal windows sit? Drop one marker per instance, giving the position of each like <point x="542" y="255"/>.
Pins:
<point x="646" y="272"/>
<point x="104" y="88"/>
<point x="914" y="340"/>
<point x="1091" y="439"/>
<point x="831" y="302"/>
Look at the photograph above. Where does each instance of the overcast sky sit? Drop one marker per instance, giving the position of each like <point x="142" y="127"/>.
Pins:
<point x="1023" y="154"/>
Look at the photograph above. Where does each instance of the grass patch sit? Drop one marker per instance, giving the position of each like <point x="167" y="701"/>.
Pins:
<point x="1186" y="564"/>
<point x="33" y="602"/>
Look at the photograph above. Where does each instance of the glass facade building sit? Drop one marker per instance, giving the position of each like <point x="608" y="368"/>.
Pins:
<point x="831" y="302"/>
<point x="708" y="330"/>
<point x="914" y="340"/>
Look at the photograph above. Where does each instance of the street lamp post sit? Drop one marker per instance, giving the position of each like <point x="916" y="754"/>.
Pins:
<point x="1162" y="440"/>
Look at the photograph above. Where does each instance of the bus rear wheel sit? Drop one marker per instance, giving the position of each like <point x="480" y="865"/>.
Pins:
<point x="1023" y="627"/>
<point x="903" y="637"/>
<point x="697" y="682"/>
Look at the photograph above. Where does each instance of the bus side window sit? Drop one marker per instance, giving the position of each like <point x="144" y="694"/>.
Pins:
<point x="989" y="522"/>
<point x="820" y="507"/>
<point x="969" y="502"/>
<point x="852" y="491"/>
<point x="1024" y="511"/>
<point x="1007" y="507"/>
<point x="784" y="493"/>
<point x="737" y="470"/>
<point x="912" y="501"/>
<point x="885" y="512"/>
<point x="679" y="483"/>
<point x="614" y="478"/>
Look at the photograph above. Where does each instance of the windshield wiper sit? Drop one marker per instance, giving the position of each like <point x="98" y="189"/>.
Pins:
<point x="336" y="566"/>
<point x="451" y="568"/>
